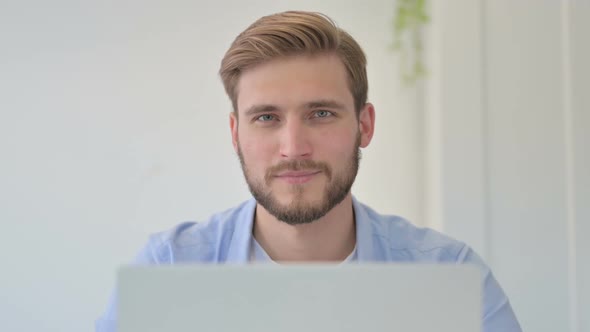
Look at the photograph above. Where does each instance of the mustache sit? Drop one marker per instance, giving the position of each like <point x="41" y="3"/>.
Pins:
<point x="297" y="165"/>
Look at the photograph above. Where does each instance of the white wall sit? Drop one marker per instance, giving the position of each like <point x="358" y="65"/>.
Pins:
<point x="510" y="164"/>
<point x="576" y="25"/>
<point x="114" y="126"/>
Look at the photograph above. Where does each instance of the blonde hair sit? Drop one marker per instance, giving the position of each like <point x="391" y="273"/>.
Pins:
<point x="294" y="33"/>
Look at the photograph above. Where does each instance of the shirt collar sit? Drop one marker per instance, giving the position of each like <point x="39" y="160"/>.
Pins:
<point x="366" y="244"/>
<point x="239" y="245"/>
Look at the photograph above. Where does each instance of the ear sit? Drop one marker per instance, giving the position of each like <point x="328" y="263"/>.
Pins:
<point x="367" y="124"/>
<point x="233" y="126"/>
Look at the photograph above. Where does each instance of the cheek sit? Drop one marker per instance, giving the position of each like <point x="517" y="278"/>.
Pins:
<point x="255" y="151"/>
<point x="337" y="144"/>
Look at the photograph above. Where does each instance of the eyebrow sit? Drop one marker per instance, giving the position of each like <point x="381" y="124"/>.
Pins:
<point x="325" y="103"/>
<point x="322" y="103"/>
<point x="257" y="109"/>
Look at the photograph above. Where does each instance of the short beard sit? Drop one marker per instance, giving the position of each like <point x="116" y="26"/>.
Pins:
<point x="298" y="212"/>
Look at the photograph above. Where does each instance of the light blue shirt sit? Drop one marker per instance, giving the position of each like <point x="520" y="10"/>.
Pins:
<point x="227" y="238"/>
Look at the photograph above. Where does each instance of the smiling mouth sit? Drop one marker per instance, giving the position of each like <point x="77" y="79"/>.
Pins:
<point x="297" y="177"/>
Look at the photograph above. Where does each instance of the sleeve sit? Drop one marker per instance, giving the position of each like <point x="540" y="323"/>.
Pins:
<point x="498" y="315"/>
<point x="108" y="321"/>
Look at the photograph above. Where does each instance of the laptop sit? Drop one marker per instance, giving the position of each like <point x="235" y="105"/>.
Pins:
<point x="296" y="298"/>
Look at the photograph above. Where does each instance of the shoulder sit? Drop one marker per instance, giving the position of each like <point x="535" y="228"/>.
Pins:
<point x="193" y="241"/>
<point x="400" y="240"/>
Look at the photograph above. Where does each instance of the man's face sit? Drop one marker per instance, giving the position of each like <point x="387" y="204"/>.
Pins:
<point x="298" y="136"/>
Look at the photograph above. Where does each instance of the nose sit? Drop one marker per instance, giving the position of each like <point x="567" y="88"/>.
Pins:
<point x="295" y="140"/>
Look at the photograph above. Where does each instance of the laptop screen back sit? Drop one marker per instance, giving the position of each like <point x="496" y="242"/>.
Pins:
<point x="295" y="298"/>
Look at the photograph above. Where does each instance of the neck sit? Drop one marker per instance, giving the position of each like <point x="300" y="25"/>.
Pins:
<point x="330" y="238"/>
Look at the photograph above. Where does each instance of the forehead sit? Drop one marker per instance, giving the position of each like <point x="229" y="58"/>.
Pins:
<point x="293" y="81"/>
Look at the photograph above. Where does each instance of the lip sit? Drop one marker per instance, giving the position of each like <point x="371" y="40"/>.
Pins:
<point x="297" y="177"/>
<point x="296" y="173"/>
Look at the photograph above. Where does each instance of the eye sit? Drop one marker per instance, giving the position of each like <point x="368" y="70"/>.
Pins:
<point x="265" y="118"/>
<point x="322" y="114"/>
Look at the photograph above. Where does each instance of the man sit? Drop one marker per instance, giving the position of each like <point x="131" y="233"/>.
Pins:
<point x="298" y="87"/>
